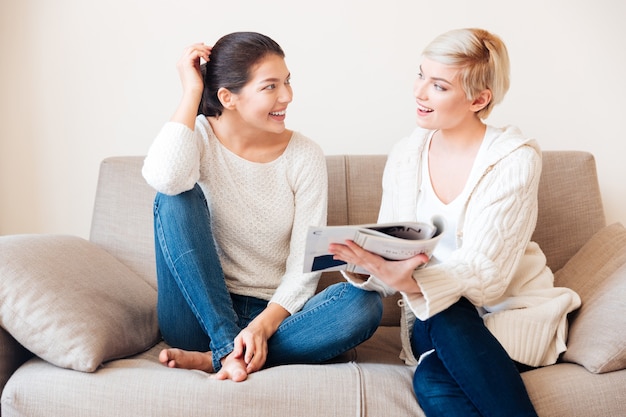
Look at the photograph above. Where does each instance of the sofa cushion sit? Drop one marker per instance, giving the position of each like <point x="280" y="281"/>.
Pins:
<point x="597" y="335"/>
<point x="140" y="386"/>
<point x="72" y="303"/>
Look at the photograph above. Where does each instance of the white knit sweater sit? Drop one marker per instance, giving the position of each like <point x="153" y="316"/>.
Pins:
<point x="260" y="211"/>
<point x="495" y="265"/>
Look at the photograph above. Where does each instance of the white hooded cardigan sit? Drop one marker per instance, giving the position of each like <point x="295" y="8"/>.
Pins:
<point x="495" y="265"/>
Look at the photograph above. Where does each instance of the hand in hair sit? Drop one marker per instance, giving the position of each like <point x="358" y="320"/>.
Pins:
<point x="191" y="78"/>
<point x="189" y="67"/>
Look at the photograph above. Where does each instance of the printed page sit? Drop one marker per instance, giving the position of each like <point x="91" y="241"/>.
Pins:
<point x="393" y="241"/>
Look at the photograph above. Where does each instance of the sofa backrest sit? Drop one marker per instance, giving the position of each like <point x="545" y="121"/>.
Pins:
<point x="570" y="207"/>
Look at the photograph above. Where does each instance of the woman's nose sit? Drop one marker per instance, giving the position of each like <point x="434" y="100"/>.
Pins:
<point x="286" y="94"/>
<point x="418" y="89"/>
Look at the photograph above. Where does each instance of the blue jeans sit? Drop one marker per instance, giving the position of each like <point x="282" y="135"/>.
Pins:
<point x="469" y="373"/>
<point x="197" y="312"/>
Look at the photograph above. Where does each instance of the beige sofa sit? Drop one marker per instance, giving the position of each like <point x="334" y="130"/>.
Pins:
<point x="86" y="311"/>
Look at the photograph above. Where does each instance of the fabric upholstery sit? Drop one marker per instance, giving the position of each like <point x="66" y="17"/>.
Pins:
<point x="597" y="334"/>
<point x="71" y="303"/>
<point x="569" y="390"/>
<point x="141" y="386"/>
<point x="122" y="216"/>
<point x="570" y="205"/>
<point x="336" y="167"/>
<point x="375" y="384"/>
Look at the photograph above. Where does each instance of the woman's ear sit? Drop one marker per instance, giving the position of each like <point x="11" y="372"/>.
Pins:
<point x="480" y="102"/>
<point x="226" y="97"/>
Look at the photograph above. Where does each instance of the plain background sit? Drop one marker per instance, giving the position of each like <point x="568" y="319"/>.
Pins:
<point x="82" y="80"/>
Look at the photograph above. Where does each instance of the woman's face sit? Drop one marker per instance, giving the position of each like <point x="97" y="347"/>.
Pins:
<point x="262" y="102"/>
<point x="441" y="101"/>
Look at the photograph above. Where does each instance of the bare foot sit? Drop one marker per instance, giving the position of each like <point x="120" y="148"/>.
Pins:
<point x="185" y="359"/>
<point x="233" y="368"/>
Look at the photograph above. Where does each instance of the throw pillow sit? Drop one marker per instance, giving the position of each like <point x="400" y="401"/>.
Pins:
<point x="72" y="303"/>
<point x="597" y="333"/>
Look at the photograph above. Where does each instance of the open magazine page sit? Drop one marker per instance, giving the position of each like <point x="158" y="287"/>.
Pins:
<point x="394" y="241"/>
<point x="317" y="257"/>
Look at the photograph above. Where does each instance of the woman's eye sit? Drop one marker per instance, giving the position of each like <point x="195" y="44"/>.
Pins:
<point x="288" y="81"/>
<point x="438" y="87"/>
<point x="420" y="75"/>
<point x="270" y="87"/>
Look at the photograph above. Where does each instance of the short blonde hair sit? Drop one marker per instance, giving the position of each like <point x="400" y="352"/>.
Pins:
<point x="482" y="58"/>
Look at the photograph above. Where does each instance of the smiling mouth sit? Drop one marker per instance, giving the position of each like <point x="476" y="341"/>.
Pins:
<point x="424" y="109"/>
<point x="278" y="113"/>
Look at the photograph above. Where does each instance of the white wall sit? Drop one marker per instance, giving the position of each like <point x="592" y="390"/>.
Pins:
<point x="82" y="80"/>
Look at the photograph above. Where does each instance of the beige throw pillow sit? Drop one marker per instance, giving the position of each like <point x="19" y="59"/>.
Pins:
<point x="597" y="333"/>
<point x="71" y="303"/>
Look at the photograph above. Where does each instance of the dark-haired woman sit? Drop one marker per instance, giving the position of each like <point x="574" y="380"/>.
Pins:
<point x="236" y="192"/>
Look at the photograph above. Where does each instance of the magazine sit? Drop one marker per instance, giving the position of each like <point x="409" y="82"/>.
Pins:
<point x="393" y="241"/>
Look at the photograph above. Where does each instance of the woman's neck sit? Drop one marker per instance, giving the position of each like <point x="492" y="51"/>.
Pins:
<point x="469" y="136"/>
<point x="451" y="157"/>
<point x="251" y="144"/>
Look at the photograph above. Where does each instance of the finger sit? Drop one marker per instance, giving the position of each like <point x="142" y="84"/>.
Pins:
<point x="361" y="255"/>
<point x="256" y="349"/>
<point x="354" y="247"/>
<point x="250" y="353"/>
<point x="258" y="360"/>
<point x="341" y="252"/>
<point x="239" y="347"/>
<point x="196" y="51"/>
<point x="418" y="260"/>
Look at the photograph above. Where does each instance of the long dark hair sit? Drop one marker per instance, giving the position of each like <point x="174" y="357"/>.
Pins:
<point x="229" y="66"/>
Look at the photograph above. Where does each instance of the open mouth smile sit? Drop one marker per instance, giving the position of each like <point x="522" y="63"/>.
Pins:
<point x="424" y="109"/>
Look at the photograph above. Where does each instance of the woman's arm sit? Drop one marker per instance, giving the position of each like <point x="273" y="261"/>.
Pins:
<point x="172" y="164"/>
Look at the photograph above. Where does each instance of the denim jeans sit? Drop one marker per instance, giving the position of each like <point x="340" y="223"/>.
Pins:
<point x="468" y="373"/>
<point x="197" y="312"/>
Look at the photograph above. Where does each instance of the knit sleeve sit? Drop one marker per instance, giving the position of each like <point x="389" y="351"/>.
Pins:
<point x="309" y="181"/>
<point x="499" y="222"/>
<point x="172" y="164"/>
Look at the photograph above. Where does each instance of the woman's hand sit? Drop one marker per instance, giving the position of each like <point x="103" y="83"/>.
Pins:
<point x="189" y="67"/>
<point x="251" y="342"/>
<point x="191" y="78"/>
<point x="396" y="274"/>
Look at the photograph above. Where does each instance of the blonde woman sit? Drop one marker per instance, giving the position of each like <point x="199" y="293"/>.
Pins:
<point x="484" y="308"/>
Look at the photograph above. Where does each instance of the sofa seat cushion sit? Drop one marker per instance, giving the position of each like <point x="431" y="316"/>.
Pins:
<point x="597" y="333"/>
<point x="374" y="382"/>
<point x="569" y="390"/>
<point x="72" y="303"/>
<point x="141" y="386"/>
